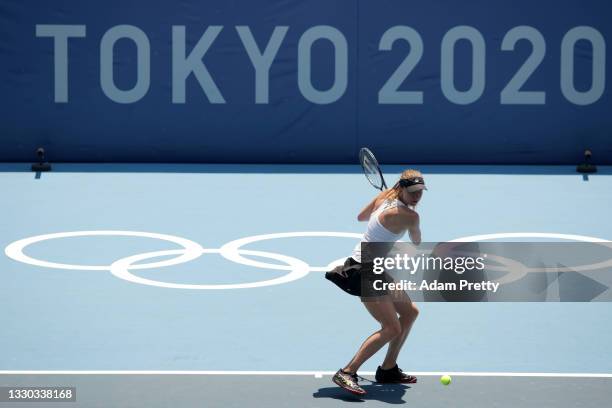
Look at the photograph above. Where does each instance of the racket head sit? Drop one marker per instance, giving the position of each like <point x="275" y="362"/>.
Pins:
<point x="371" y="169"/>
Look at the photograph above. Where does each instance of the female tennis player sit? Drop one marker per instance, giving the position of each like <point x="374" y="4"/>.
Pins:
<point x="390" y="215"/>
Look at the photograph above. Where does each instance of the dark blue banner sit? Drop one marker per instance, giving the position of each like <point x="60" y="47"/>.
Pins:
<point x="310" y="82"/>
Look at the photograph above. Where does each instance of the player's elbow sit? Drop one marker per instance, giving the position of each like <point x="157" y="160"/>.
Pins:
<point x="415" y="237"/>
<point x="364" y="215"/>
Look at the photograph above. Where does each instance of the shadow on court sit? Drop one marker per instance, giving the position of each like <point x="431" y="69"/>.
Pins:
<point x="389" y="393"/>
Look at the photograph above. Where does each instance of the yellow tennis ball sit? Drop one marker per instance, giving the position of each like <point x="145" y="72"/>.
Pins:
<point x="445" y="379"/>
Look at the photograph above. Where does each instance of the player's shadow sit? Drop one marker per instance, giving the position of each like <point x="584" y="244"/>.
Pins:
<point x="389" y="393"/>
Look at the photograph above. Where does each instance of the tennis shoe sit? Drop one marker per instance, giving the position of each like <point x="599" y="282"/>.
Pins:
<point x="394" y="375"/>
<point x="349" y="382"/>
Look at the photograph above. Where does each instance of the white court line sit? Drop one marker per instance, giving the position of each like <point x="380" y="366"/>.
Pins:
<point x="309" y="373"/>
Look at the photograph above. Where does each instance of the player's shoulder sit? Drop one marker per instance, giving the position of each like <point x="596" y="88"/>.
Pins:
<point x="381" y="204"/>
<point x="407" y="212"/>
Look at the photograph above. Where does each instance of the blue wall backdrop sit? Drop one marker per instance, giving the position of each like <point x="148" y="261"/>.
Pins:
<point x="440" y="81"/>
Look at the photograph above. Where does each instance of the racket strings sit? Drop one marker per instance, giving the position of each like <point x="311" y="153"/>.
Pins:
<point x="371" y="169"/>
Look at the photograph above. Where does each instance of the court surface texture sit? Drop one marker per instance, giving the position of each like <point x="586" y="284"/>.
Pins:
<point x="202" y="285"/>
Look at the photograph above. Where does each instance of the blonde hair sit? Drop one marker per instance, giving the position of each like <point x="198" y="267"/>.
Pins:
<point x="394" y="191"/>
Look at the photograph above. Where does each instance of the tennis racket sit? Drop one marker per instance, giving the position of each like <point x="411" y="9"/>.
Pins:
<point x="371" y="169"/>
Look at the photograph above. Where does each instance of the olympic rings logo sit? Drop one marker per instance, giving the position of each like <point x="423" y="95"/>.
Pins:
<point x="234" y="251"/>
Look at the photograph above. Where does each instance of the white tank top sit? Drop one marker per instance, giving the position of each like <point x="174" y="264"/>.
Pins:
<point x="376" y="232"/>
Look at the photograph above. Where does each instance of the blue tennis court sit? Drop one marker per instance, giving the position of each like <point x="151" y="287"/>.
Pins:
<point x="65" y="311"/>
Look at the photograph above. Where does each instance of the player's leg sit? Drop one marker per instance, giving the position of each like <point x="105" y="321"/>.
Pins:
<point x="383" y="310"/>
<point x="408" y="312"/>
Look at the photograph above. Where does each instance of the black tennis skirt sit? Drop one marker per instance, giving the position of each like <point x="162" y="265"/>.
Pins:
<point x="357" y="279"/>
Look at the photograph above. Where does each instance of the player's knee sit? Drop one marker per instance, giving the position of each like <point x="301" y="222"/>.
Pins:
<point x="414" y="311"/>
<point x="392" y="329"/>
<point x="409" y="315"/>
<point x="407" y="319"/>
